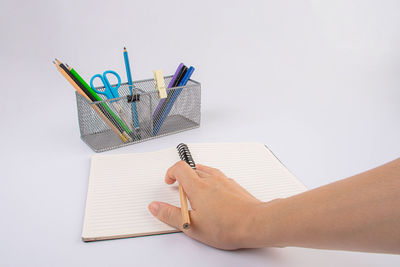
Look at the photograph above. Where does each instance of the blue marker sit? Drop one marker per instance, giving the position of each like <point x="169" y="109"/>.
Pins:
<point x="175" y="95"/>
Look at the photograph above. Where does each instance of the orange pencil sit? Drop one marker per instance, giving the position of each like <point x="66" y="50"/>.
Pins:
<point x="79" y="90"/>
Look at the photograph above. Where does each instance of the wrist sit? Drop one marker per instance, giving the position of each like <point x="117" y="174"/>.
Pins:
<point x="264" y="226"/>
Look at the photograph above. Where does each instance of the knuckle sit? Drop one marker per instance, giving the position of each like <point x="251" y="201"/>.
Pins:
<point x="180" y="164"/>
<point x="218" y="172"/>
<point x="213" y="169"/>
<point x="230" y="180"/>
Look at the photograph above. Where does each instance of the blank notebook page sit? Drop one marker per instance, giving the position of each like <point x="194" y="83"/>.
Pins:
<point x="122" y="186"/>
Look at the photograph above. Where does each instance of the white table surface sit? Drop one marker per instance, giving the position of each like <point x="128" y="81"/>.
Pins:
<point x="317" y="82"/>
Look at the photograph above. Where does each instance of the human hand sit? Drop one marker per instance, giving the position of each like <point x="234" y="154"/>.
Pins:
<point x="222" y="210"/>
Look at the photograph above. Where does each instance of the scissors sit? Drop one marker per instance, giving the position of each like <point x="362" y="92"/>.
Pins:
<point x="111" y="92"/>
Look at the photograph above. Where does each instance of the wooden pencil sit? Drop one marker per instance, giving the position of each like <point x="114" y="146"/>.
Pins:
<point x="184" y="208"/>
<point x="103" y="106"/>
<point x="82" y="93"/>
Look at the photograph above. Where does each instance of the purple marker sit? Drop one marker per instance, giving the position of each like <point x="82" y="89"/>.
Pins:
<point x="169" y="86"/>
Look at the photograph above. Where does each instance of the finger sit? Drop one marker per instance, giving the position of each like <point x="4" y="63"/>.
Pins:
<point x="169" y="178"/>
<point x="167" y="213"/>
<point x="209" y="170"/>
<point x="202" y="174"/>
<point x="184" y="174"/>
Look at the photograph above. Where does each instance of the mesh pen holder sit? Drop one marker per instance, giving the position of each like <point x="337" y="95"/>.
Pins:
<point x="126" y="120"/>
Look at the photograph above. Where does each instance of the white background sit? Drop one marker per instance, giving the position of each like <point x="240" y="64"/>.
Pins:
<point x="316" y="81"/>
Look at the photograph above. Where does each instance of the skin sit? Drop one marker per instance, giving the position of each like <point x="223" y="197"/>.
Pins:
<point x="360" y="213"/>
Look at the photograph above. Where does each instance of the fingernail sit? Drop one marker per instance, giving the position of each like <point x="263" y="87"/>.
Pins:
<point x="154" y="208"/>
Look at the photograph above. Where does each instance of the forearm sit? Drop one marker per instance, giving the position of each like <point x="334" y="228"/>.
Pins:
<point x="358" y="213"/>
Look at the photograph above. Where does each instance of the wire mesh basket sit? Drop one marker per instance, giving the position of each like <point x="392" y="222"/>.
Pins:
<point x="113" y="123"/>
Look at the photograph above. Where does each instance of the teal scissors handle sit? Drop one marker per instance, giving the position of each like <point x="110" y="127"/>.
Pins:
<point x="109" y="91"/>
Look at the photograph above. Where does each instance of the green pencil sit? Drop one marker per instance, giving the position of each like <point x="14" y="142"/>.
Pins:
<point x="98" y="98"/>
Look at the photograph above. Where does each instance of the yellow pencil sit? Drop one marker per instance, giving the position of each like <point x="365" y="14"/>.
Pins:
<point x="184" y="208"/>
<point x="79" y="90"/>
<point x="124" y="133"/>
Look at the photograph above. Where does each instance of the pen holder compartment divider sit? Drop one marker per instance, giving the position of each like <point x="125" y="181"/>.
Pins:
<point x="113" y="123"/>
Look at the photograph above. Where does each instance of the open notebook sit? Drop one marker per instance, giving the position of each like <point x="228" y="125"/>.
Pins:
<point x="122" y="186"/>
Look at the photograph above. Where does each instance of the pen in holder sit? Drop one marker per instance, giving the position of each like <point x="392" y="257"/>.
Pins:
<point x="133" y="118"/>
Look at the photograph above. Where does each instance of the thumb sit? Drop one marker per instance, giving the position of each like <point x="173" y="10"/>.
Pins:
<point x="167" y="213"/>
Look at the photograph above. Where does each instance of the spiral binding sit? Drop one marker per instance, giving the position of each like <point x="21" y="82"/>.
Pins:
<point x="185" y="155"/>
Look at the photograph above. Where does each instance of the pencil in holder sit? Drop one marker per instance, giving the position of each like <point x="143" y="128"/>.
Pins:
<point x="130" y="119"/>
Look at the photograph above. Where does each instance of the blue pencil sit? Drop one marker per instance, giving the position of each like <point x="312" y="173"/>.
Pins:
<point x="175" y="95"/>
<point x="128" y="74"/>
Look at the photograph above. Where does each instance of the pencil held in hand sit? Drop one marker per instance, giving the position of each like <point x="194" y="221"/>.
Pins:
<point x="184" y="208"/>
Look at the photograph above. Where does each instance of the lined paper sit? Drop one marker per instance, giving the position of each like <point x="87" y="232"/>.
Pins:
<point x="121" y="186"/>
<point x="252" y="165"/>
